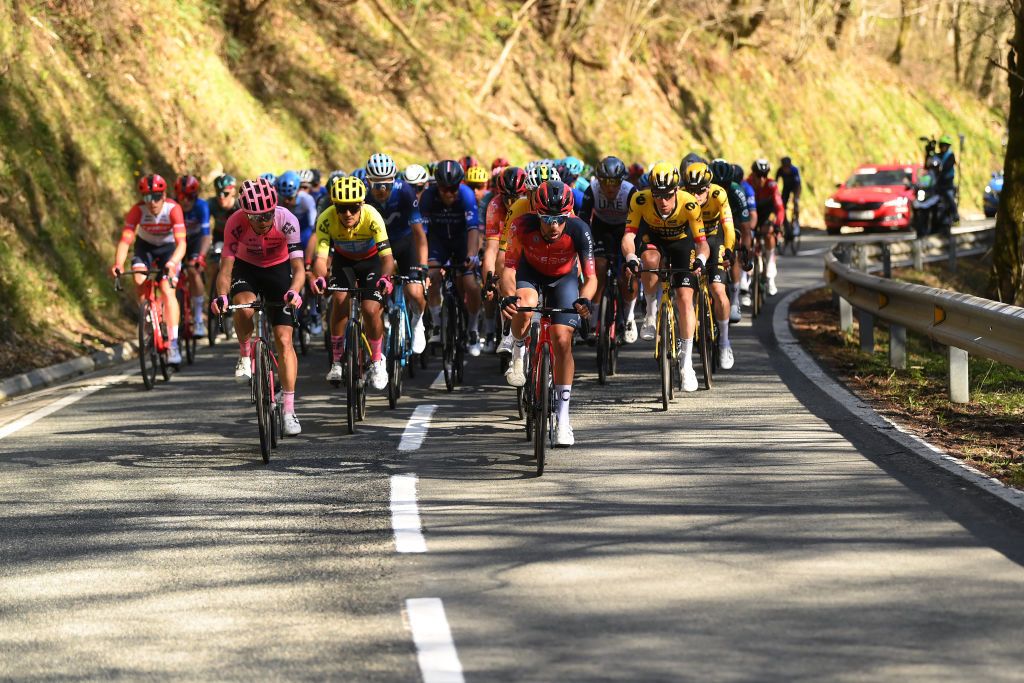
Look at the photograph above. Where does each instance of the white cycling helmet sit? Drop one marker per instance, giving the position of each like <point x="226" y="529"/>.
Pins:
<point x="540" y="173"/>
<point x="381" y="167"/>
<point x="306" y="175"/>
<point x="416" y="175"/>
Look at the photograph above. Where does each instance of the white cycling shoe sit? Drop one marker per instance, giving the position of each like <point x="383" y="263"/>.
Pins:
<point x="630" y="333"/>
<point x="507" y="342"/>
<point x="648" y="330"/>
<point x="173" y="355"/>
<point x="735" y="314"/>
<point x="200" y="330"/>
<point x="725" y="358"/>
<point x="336" y="373"/>
<point x="378" y="374"/>
<point x="516" y="373"/>
<point x="243" y="369"/>
<point x="772" y="289"/>
<point x="745" y="299"/>
<point x="689" y="379"/>
<point x="291" y="425"/>
<point x="473" y="347"/>
<point x="419" y="337"/>
<point x="563" y="434"/>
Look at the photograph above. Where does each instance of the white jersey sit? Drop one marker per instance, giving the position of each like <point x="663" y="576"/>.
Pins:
<point x="611" y="211"/>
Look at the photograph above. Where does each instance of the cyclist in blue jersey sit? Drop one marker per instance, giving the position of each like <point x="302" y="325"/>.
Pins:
<point x="312" y="175"/>
<point x="569" y="175"/>
<point x="452" y="221"/>
<point x="197" y="239"/>
<point x="300" y="202"/>
<point x="792" y="185"/>
<point x="397" y="203"/>
<point x="739" y="178"/>
<point x="722" y="173"/>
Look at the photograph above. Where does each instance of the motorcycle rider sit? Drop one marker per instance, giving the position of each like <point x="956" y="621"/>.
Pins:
<point x="946" y="177"/>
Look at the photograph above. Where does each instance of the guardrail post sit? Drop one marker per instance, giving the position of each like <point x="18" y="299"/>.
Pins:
<point x="844" y="255"/>
<point x="951" y="239"/>
<point x="959" y="389"/>
<point x="862" y="257"/>
<point x="867" y="331"/>
<point x="886" y="260"/>
<point x="898" y="347"/>
<point x="845" y="315"/>
<point x="918" y="251"/>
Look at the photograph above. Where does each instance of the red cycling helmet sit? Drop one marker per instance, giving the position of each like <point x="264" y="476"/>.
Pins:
<point x="553" y="198"/>
<point x="153" y="183"/>
<point x="257" y="196"/>
<point x="499" y="162"/>
<point x="511" y="182"/>
<point x="186" y="185"/>
<point x="468" y="162"/>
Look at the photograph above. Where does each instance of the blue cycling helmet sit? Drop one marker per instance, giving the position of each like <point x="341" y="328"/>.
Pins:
<point x="269" y="177"/>
<point x="573" y="165"/>
<point x="645" y="180"/>
<point x="360" y="173"/>
<point x="288" y="184"/>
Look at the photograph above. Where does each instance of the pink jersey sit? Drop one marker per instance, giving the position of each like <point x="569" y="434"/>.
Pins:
<point x="277" y="246"/>
<point x="166" y="227"/>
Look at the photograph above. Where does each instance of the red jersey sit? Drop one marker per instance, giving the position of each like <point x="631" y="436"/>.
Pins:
<point x="165" y="227"/>
<point x="278" y="245"/>
<point x="553" y="259"/>
<point x="495" y="217"/>
<point x="769" y="200"/>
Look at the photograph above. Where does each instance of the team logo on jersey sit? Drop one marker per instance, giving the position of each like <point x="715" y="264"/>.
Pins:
<point x="640" y="200"/>
<point x="288" y="229"/>
<point x="690" y="206"/>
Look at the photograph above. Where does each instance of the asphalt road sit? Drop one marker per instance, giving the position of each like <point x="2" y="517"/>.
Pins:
<point x="755" y="532"/>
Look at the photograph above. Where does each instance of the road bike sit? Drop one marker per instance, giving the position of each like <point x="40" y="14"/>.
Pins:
<point x="608" y="310"/>
<point x="216" y="324"/>
<point x="706" y="334"/>
<point x="356" y="361"/>
<point x="153" y="342"/>
<point x="398" y="339"/>
<point x="453" y="325"/>
<point x="667" y="326"/>
<point x="790" y="236"/>
<point x="186" y="319"/>
<point x="264" y="383"/>
<point x="758" y="276"/>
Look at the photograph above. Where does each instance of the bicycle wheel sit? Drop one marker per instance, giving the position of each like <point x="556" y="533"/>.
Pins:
<point x="147" y="346"/>
<point x="212" y="328"/>
<point x="664" y="356"/>
<point x="461" y="339"/>
<point x="704" y="335"/>
<point x="542" y="410"/>
<point x="448" y="343"/>
<point x="305" y="339"/>
<point x="264" y="418"/>
<point x="351" y="392"/>
<point x="394" y="351"/>
<point x="755" y="287"/>
<point x="361" y="362"/>
<point x="276" y="418"/>
<point x="603" y="339"/>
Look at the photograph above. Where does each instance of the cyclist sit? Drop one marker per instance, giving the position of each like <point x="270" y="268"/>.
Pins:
<point x="548" y="250"/>
<point x="566" y="176"/>
<point x="159" y="224"/>
<point x="417" y="177"/>
<point x="722" y="174"/>
<point x="324" y="202"/>
<point x="397" y="203"/>
<point x="263" y="257"/>
<point x="510" y="186"/>
<point x="636" y="170"/>
<point x="739" y="178"/>
<point x="291" y="196"/>
<point x="792" y="185"/>
<point x="667" y="222"/>
<point x="222" y="205"/>
<point x="477" y="179"/>
<point x="362" y="259"/>
<point x="718" y="228"/>
<point x="605" y="208"/>
<point x="769" y="203"/>
<point x="317" y="190"/>
<point x="450" y="215"/>
<point x="269" y="177"/>
<point x="197" y="241"/>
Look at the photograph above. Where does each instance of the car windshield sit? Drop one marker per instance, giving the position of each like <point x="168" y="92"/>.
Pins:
<point x="878" y="178"/>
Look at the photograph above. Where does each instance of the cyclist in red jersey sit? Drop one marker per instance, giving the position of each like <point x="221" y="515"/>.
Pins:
<point x="159" y="223"/>
<point x="548" y="250"/>
<point x="263" y="255"/>
<point x="769" y="202"/>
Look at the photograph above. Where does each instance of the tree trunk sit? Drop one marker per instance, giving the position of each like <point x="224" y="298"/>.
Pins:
<point x="897" y="53"/>
<point x="999" y="38"/>
<point x="957" y="38"/>
<point x="1007" y="280"/>
<point x="842" y="14"/>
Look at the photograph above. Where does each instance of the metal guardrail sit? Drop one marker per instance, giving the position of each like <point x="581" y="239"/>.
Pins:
<point x="883" y="252"/>
<point x="966" y="324"/>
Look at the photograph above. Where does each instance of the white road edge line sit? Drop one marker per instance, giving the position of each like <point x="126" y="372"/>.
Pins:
<point x="416" y="429"/>
<point x="54" y="406"/>
<point x="435" y="649"/>
<point x="806" y="364"/>
<point x="438" y="382"/>
<point x="405" y="515"/>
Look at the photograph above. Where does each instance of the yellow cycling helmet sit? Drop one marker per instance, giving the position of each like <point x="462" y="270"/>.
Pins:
<point x="697" y="178"/>
<point x="476" y="175"/>
<point x="348" y="190"/>
<point x="664" y="178"/>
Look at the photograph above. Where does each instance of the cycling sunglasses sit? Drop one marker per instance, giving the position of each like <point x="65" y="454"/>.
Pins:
<point x="348" y="208"/>
<point x="154" y="197"/>
<point x="448" y="189"/>
<point x="383" y="185"/>
<point x="554" y="220"/>
<point x="610" y="182"/>
<point x="261" y="217"/>
<point x="226" y="193"/>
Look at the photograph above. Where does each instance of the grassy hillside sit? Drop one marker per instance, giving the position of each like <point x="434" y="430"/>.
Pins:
<point x="94" y="93"/>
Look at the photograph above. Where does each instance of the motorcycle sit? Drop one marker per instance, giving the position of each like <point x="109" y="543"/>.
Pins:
<point x="929" y="211"/>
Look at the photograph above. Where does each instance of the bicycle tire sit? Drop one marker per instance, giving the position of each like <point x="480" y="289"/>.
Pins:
<point x="705" y="334"/>
<point x="305" y="338"/>
<point x="394" y="360"/>
<point x="147" y="347"/>
<point x="276" y="419"/>
<point x="521" y="402"/>
<point x="360" y="368"/>
<point x="755" y="288"/>
<point x="542" y="411"/>
<point x="212" y="326"/>
<point x="795" y="248"/>
<point x="461" y="340"/>
<point x="351" y="397"/>
<point x="664" y="357"/>
<point x="447" y="344"/>
<point x="262" y="389"/>
<point x="602" y="341"/>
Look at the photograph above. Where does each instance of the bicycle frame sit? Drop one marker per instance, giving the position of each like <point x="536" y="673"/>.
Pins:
<point x="150" y="295"/>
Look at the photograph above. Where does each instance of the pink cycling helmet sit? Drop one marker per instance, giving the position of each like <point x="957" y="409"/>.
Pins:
<point x="257" y="196"/>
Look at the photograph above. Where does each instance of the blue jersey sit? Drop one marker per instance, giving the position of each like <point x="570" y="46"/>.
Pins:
<point x="319" y="193"/>
<point x="457" y="219"/>
<point x="400" y="211"/>
<point x="577" y="201"/>
<point x="790" y="177"/>
<point x="748" y="190"/>
<point x="305" y="211"/>
<point x="197" y="220"/>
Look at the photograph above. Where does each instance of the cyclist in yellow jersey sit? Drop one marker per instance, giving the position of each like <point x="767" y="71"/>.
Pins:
<point x="362" y="258"/>
<point x="718" y="227"/>
<point x="665" y="223"/>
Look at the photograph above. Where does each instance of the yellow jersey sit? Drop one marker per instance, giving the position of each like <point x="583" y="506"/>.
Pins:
<point x="519" y="208"/>
<point x="684" y="221"/>
<point x="367" y="239"/>
<point x="717" y="216"/>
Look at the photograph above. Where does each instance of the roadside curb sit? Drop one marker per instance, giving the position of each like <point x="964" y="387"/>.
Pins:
<point x="44" y="377"/>
<point x="814" y="372"/>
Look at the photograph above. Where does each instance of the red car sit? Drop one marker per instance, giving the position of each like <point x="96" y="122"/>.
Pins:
<point x="873" y="198"/>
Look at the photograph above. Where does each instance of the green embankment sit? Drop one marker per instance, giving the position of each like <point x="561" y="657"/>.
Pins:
<point x="95" y="93"/>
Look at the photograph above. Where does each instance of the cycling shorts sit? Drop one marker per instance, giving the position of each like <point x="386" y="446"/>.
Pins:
<point x="716" y="266"/>
<point x="148" y="256"/>
<point x="405" y="256"/>
<point x="357" y="274"/>
<point x="679" y="253"/>
<point x="192" y="245"/>
<point x="271" y="283"/>
<point x="560" y="291"/>
<point x="607" y="238"/>
<point x="443" y="248"/>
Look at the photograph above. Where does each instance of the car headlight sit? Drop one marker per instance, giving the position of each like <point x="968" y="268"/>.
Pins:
<point x="920" y="195"/>
<point x="898" y="201"/>
<point x="832" y="204"/>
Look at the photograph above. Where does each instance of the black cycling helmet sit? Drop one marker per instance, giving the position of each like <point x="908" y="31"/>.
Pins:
<point x="786" y="161"/>
<point x="611" y="168"/>
<point x="449" y="173"/>
<point x="721" y="172"/>
<point x="691" y="158"/>
<point x="737" y="173"/>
